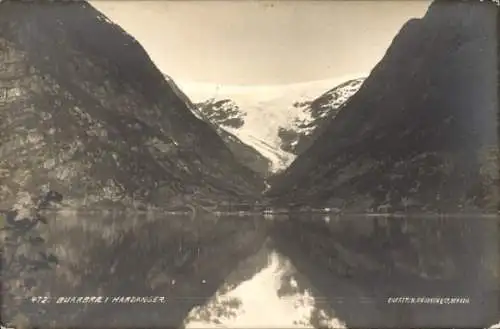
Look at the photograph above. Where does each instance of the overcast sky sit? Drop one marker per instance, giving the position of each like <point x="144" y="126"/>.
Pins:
<point x="263" y="42"/>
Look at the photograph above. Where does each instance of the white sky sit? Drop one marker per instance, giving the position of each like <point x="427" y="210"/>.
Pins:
<point x="263" y="42"/>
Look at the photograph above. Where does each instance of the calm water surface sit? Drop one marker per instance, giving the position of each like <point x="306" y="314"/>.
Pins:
<point x="238" y="271"/>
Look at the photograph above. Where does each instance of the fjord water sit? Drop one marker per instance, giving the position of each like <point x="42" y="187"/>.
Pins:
<point x="273" y="271"/>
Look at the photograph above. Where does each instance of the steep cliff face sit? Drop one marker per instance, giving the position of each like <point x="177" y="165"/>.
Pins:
<point x="84" y="111"/>
<point x="421" y="133"/>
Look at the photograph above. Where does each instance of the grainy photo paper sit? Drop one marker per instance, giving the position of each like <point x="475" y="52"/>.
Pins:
<point x="249" y="164"/>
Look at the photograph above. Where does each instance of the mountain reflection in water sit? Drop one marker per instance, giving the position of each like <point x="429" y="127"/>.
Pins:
<point x="282" y="271"/>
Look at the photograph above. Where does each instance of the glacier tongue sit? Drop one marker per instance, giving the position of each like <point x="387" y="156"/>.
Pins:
<point x="280" y="159"/>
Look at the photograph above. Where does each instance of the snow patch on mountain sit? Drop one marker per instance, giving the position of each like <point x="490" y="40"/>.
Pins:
<point x="313" y="115"/>
<point x="224" y="113"/>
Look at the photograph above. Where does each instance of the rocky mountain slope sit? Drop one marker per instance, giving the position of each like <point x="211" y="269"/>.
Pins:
<point x="279" y="122"/>
<point x="314" y="115"/>
<point x="421" y="134"/>
<point x="85" y="112"/>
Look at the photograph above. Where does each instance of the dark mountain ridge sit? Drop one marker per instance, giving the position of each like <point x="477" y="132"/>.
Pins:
<point x="85" y="112"/>
<point x="421" y="132"/>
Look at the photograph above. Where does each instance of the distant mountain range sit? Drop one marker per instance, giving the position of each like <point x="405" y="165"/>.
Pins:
<point x="278" y="123"/>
